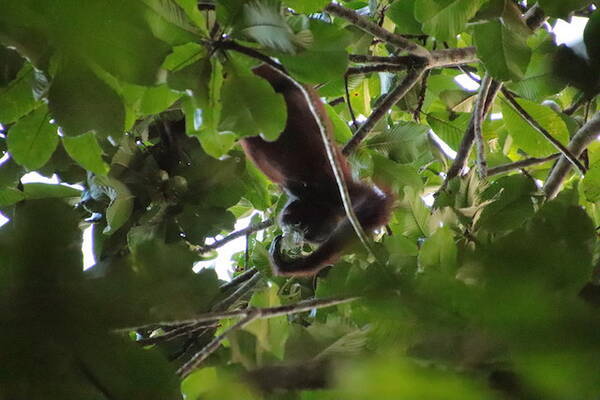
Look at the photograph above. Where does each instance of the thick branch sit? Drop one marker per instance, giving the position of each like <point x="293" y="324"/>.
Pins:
<point x="234" y="235"/>
<point x="583" y="138"/>
<point x="363" y="23"/>
<point x="451" y="57"/>
<point x="528" y="162"/>
<point x="540" y="129"/>
<point x="436" y="59"/>
<point x="388" y="102"/>
<point x="367" y="69"/>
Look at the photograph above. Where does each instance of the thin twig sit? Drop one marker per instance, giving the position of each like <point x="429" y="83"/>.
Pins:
<point x="212" y="346"/>
<point x="248" y="315"/>
<point x="477" y="119"/>
<point x="575" y="106"/>
<point x="348" y="102"/>
<point x="234" y="235"/>
<point x="185" y="330"/>
<point x="231" y="45"/>
<point x="363" y="23"/>
<point x="388" y="102"/>
<point x="241" y="278"/>
<point x="582" y="139"/>
<point x="271" y="312"/>
<point x="240" y="292"/>
<point x="540" y="129"/>
<point x="462" y="155"/>
<point x="528" y="162"/>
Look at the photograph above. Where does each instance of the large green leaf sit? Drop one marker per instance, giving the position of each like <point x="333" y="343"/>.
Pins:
<point x="450" y="131"/>
<point x="590" y="38"/>
<point x="527" y="138"/>
<point x="82" y="102"/>
<point x="512" y="203"/>
<point x="48" y="191"/>
<point x="127" y="48"/>
<point x="263" y="22"/>
<point x="16" y="99"/>
<point x="503" y="51"/>
<point x="402" y="13"/>
<point x="562" y="8"/>
<point x="325" y="59"/>
<point x="539" y="80"/>
<point x="439" y="253"/>
<point x="591" y="183"/>
<point x="444" y="19"/>
<point x="87" y="152"/>
<point x="33" y="139"/>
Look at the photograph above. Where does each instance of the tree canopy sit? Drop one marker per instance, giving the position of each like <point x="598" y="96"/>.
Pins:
<point x="485" y="284"/>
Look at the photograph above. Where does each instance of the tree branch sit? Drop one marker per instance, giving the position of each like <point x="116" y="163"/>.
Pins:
<point x="535" y="125"/>
<point x="583" y="138"/>
<point x="477" y="121"/>
<point x="366" y="25"/>
<point x="388" y="102"/>
<point x="248" y="315"/>
<point x="462" y="155"/>
<point x="234" y="235"/>
<point x="528" y="162"/>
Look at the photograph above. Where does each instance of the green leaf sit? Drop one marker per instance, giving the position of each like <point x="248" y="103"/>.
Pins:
<point x="82" y="102"/>
<point x="450" y="131"/>
<point x="395" y="176"/>
<point x="503" y="50"/>
<point x="439" y="253"/>
<point x="10" y="173"/>
<point x="405" y="143"/>
<point x="169" y="22"/>
<point x="87" y="152"/>
<point x="562" y="8"/>
<point x="527" y="138"/>
<point x="444" y="19"/>
<point x="325" y="59"/>
<point x="246" y="116"/>
<point x="195" y="78"/>
<point x="402" y="13"/>
<point x="512" y="203"/>
<point x="157" y="99"/>
<point x="591" y="184"/>
<point x="45" y="190"/>
<point x="263" y="22"/>
<point x="591" y="34"/>
<point x="271" y="334"/>
<point x="16" y="99"/>
<point x="10" y="196"/>
<point x="121" y="202"/>
<point x="32" y="140"/>
<point x="539" y="80"/>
